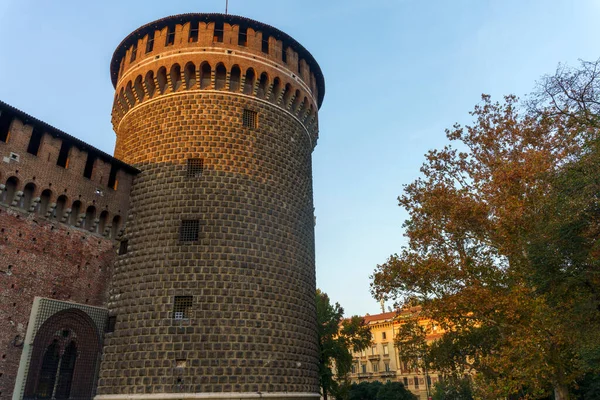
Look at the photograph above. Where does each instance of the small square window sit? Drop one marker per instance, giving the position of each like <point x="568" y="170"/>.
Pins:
<point x="110" y="324"/>
<point x="250" y="119"/>
<point x="123" y="247"/>
<point x="195" y="167"/>
<point x="188" y="231"/>
<point x="182" y="307"/>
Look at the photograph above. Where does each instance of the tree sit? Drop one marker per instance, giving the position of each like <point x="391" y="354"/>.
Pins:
<point x="338" y="337"/>
<point x="394" y="391"/>
<point x="502" y="241"/>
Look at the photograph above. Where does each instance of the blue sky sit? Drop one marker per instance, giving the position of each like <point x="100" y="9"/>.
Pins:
<point x="397" y="73"/>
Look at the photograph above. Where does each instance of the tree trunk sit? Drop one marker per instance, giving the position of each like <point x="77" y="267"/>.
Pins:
<point x="561" y="392"/>
<point x="324" y="394"/>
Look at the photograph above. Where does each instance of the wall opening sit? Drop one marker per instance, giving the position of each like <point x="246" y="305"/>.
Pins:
<point x="35" y="141"/>
<point x="195" y="167"/>
<point x="75" y="211"/>
<point x="149" y="82"/>
<point x="129" y="94"/>
<point x="205" y="76"/>
<point x="243" y="36"/>
<point x="45" y="386"/>
<point x="123" y="247"/>
<point x="284" y="48"/>
<point x="220" y="77"/>
<point x="150" y="42"/>
<point x="44" y="202"/>
<point x="176" y="77"/>
<point x="194" y="25"/>
<point x="250" y="119"/>
<point x="189" y="230"/>
<point x="287" y="96"/>
<point x="265" y="44"/>
<point x="90" y="216"/>
<point x="133" y="55"/>
<point x="249" y="82"/>
<point x="116" y="227"/>
<point x="5" y="121"/>
<point x="190" y="75"/>
<point x="161" y="78"/>
<point x="276" y="90"/>
<point x="61" y="204"/>
<point x="113" y="183"/>
<point x="182" y="307"/>
<point x="139" y="88"/>
<point x="28" y="192"/>
<point x="218" y="36"/>
<point x="63" y="155"/>
<point x="102" y="222"/>
<point x="89" y="166"/>
<point x="262" y="85"/>
<point x="170" y="38"/>
<point x="234" y="79"/>
<point x="9" y="191"/>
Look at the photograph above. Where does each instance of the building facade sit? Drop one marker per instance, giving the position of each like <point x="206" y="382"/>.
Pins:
<point x="202" y="225"/>
<point x="381" y="362"/>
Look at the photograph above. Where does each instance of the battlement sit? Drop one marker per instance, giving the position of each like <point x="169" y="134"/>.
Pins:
<point x="184" y="31"/>
<point x="59" y="177"/>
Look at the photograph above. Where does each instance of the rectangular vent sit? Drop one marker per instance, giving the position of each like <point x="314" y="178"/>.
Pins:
<point x="182" y="307"/>
<point x="195" y="167"/>
<point x="250" y="119"/>
<point x="189" y="230"/>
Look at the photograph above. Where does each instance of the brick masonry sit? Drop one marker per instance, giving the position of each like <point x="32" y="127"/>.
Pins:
<point x="47" y="259"/>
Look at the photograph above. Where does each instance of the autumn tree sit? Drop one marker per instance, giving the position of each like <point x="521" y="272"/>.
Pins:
<point x="338" y="338"/>
<point x="502" y="240"/>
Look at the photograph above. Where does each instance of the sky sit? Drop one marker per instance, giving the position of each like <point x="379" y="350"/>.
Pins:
<point x="397" y="73"/>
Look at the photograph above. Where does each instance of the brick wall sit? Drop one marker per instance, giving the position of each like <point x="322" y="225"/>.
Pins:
<point x="41" y="258"/>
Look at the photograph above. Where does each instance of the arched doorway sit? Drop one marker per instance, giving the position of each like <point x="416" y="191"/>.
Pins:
<point x="65" y="358"/>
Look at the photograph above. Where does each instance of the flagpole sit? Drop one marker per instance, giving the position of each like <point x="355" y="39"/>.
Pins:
<point x="226" y="6"/>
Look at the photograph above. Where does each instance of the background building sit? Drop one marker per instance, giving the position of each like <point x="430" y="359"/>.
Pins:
<point x="381" y="362"/>
<point x="209" y="291"/>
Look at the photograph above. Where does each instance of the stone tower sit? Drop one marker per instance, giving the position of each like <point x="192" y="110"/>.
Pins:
<point x="213" y="292"/>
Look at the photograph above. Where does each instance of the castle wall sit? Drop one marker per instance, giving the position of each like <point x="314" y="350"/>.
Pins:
<point x="42" y="258"/>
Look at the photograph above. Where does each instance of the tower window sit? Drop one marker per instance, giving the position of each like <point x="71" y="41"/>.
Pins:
<point x="243" y="36"/>
<point x="265" y="45"/>
<point x="250" y="119"/>
<point x="195" y="167"/>
<point x="188" y="232"/>
<point x="218" y="37"/>
<point x="35" y="141"/>
<point x="133" y="52"/>
<point x="110" y="324"/>
<point x="194" y="32"/>
<point x="63" y="155"/>
<point x="170" y="35"/>
<point x="123" y="247"/>
<point x="284" y="52"/>
<point x="150" y="42"/>
<point x="182" y="307"/>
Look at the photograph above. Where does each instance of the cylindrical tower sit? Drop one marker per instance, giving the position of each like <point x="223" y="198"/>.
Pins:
<point x="213" y="293"/>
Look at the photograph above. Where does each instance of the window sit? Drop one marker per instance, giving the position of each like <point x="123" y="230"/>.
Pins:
<point x="63" y="155"/>
<point x="189" y="230"/>
<point x="170" y="36"/>
<point x="218" y="36"/>
<point x="133" y="52"/>
<point x="89" y="166"/>
<point x="405" y="380"/>
<point x="363" y="353"/>
<point x="383" y="336"/>
<point x="182" y="307"/>
<point x="35" y="141"/>
<point x="375" y="367"/>
<point x="265" y="45"/>
<point x="243" y="36"/>
<point x="5" y="121"/>
<point x="387" y="367"/>
<point x="374" y="350"/>
<point x="250" y="119"/>
<point x="195" y="167"/>
<point x="112" y="177"/>
<point x="123" y="247"/>
<point x="364" y="368"/>
<point x="194" y="32"/>
<point x="150" y="42"/>
<point x="284" y="52"/>
<point x="110" y="324"/>
<point x="385" y="349"/>
<point x="353" y="368"/>
<point x="416" y="382"/>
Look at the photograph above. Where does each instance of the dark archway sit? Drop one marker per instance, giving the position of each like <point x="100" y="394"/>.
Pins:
<point x="65" y="358"/>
